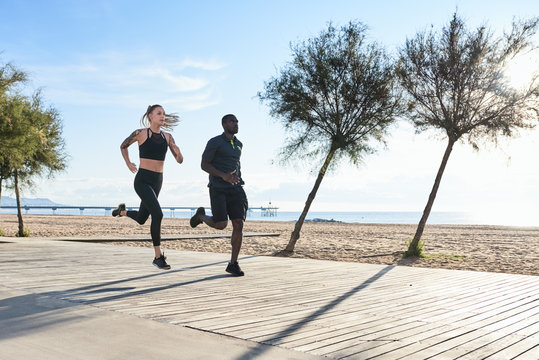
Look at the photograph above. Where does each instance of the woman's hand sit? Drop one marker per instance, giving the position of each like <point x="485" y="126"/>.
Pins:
<point x="132" y="167"/>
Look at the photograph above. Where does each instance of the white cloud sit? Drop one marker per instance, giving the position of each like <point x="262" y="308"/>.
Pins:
<point x="194" y="101"/>
<point x="120" y="79"/>
<point x="153" y="74"/>
<point x="211" y="65"/>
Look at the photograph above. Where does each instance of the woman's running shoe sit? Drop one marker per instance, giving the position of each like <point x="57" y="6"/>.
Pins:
<point x="161" y="263"/>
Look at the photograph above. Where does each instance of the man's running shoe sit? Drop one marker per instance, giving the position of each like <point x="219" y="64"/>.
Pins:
<point x="161" y="263"/>
<point x="116" y="212"/>
<point x="234" y="269"/>
<point x="195" y="219"/>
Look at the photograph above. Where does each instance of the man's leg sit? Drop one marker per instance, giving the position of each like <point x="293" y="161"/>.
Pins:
<point x="219" y="218"/>
<point x="237" y="208"/>
<point x="237" y="235"/>
<point x="208" y="220"/>
<point x="236" y="239"/>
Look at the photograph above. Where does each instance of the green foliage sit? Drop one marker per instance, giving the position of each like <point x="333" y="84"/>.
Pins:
<point x="11" y="135"/>
<point x="25" y="233"/>
<point x="31" y="143"/>
<point x="30" y="138"/>
<point x="45" y="132"/>
<point x="454" y="81"/>
<point x="419" y="251"/>
<point x="337" y="93"/>
<point x="415" y="251"/>
<point x="1" y="232"/>
<point x="334" y="99"/>
<point x="10" y="79"/>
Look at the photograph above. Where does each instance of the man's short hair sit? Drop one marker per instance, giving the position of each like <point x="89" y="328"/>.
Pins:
<point x="227" y="117"/>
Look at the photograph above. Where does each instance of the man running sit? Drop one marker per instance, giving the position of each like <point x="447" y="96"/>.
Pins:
<point x="221" y="160"/>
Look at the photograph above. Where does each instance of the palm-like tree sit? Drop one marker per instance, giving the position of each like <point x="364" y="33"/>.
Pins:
<point x="454" y="82"/>
<point x="334" y="98"/>
<point x="10" y="79"/>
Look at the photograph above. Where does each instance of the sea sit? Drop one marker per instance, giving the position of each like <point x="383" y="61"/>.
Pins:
<point x="365" y="217"/>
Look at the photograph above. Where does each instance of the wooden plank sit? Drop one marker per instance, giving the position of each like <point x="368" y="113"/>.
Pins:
<point x="496" y="346"/>
<point x="165" y="237"/>
<point x="354" y="310"/>
<point x="525" y="349"/>
<point x="430" y="343"/>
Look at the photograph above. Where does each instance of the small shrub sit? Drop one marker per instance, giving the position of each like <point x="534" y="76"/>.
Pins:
<point x="25" y="233"/>
<point x="1" y="232"/>
<point x="415" y="252"/>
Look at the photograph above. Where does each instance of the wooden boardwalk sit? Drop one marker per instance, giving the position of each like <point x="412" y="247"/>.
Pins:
<point x="144" y="238"/>
<point x="324" y="308"/>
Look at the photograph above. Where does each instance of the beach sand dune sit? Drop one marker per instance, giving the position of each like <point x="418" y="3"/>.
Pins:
<point x="465" y="247"/>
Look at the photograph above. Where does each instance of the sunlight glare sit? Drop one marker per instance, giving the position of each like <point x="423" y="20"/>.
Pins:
<point x="522" y="69"/>
<point x="515" y="216"/>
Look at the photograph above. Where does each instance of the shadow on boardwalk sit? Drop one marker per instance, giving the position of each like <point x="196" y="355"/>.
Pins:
<point x="307" y="308"/>
<point x="311" y="317"/>
<point x="31" y="312"/>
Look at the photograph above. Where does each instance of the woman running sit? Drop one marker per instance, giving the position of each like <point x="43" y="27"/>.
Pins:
<point x="153" y="143"/>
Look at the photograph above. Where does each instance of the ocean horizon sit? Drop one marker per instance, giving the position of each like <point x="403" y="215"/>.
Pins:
<point x="364" y="217"/>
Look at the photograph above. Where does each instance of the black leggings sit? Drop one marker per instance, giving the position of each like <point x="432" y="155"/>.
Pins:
<point x="147" y="185"/>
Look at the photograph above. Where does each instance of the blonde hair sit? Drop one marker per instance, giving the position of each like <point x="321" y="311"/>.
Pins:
<point x="171" y="120"/>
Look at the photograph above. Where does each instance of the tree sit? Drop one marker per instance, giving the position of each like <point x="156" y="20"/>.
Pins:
<point x="10" y="79"/>
<point x="41" y="147"/>
<point x="14" y="145"/>
<point x="334" y="98"/>
<point x="46" y="134"/>
<point x="31" y="142"/>
<point x="454" y="82"/>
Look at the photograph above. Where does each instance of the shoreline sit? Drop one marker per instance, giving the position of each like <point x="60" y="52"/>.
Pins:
<point x="491" y="248"/>
<point x="348" y="217"/>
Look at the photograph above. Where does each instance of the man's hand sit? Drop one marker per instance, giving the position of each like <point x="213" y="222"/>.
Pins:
<point x="231" y="178"/>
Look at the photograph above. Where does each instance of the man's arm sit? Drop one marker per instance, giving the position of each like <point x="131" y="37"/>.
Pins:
<point x="210" y="169"/>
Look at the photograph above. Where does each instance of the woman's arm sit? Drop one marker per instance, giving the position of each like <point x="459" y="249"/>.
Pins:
<point x="125" y="152"/>
<point x="174" y="149"/>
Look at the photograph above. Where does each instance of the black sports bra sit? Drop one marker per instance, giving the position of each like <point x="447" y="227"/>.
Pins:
<point x="155" y="146"/>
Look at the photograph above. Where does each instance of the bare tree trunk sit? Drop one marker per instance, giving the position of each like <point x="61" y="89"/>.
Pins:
<point x="297" y="228"/>
<point x="19" y="212"/>
<point x="413" y="249"/>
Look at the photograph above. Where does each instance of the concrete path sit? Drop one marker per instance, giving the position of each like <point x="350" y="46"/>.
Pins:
<point x="77" y="300"/>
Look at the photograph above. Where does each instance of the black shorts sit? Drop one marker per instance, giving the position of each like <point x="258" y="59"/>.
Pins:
<point x="228" y="203"/>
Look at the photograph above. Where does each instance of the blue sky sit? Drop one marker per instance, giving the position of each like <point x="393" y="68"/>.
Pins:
<point x="101" y="63"/>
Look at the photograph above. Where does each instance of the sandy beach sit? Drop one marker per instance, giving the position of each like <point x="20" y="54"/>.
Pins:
<point x="465" y="247"/>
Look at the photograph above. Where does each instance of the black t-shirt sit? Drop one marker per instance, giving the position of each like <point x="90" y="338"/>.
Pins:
<point x="224" y="155"/>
